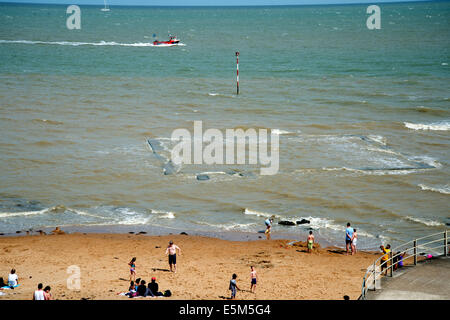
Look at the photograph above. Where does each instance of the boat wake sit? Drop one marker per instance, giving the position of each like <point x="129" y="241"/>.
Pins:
<point x="101" y="43"/>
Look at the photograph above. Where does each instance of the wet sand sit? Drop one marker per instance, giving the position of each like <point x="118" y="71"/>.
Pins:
<point x="204" y="268"/>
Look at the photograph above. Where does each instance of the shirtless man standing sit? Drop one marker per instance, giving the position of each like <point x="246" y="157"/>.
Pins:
<point x="172" y="251"/>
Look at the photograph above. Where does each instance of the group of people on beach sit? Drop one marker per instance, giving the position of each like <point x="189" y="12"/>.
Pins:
<point x="42" y="294"/>
<point x="233" y="287"/>
<point x="397" y="258"/>
<point x="13" y="281"/>
<point x="351" y="238"/>
<point x="137" y="286"/>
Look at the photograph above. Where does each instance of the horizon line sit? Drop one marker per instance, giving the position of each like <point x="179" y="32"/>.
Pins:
<point x="225" y="5"/>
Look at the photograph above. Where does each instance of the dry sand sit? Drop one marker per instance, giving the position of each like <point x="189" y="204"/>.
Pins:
<point x="204" y="268"/>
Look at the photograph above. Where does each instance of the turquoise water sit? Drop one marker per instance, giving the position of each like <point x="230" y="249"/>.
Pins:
<point x="363" y="117"/>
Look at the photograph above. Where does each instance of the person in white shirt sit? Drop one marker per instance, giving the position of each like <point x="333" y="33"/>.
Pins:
<point x="39" y="293"/>
<point x="13" y="279"/>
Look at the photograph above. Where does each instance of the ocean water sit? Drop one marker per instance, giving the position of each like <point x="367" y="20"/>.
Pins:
<point x="363" y="118"/>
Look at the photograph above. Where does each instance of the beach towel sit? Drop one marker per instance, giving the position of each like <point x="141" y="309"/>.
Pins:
<point x="9" y="287"/>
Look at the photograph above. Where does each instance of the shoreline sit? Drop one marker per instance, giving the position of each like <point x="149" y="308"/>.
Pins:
<point x="167" y="231"/>
<point x="286" y="272"/>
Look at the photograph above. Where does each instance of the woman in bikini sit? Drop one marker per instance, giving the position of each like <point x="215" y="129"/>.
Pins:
<point x="132" y="265"/>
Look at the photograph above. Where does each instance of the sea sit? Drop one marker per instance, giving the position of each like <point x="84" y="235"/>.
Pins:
<point x="362" y="117"/>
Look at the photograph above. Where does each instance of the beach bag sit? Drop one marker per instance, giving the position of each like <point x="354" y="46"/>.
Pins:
<point x="167" y="293"/>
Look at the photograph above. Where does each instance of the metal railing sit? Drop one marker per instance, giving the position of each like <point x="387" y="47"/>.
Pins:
<point x="435" y="244"/>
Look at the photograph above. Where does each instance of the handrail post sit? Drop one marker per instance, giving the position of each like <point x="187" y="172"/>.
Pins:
<point x="415" y="252"/>
<point x="374" y="276"/>
<point x="445" y="244"/>
<point x="392" y="263"/>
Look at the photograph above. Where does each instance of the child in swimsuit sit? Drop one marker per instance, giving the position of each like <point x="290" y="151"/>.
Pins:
<point x="253" y="277"/>
<point x="310" y="241"/>
<point x="354" y="240"/>
<point x="132" y="265"/>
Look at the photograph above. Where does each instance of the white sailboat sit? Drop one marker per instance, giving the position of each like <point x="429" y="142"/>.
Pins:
<point x="106" y="8"/>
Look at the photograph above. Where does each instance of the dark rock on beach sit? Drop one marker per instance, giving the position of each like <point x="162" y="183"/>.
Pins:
<point x="18" y="231"/>
<point x="303" y="221"/>
<point x="184" y="233"/>
<point x="286" y="223"/>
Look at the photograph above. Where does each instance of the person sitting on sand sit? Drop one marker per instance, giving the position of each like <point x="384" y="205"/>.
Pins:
<point x="385" y="257"/>
<point x="268" y="223"/>
<point x="172" y="251"/>
<point x="3" y="283"/>
<point x="153" y="286"/>
<point x="138" y="282"/>
<point x="310" y="241"/>
<point x="253" y="279"/>
<point x="149" y="291"/>
<point x="142" y="289"/>
<point x="132" y="265"/>
<point x="13" y="279"/>
<point x="39" y="293"/>
<point x="131" y="290"/>
<point x="233" y="286"/>
<point x="354" y="240"/>
<point x="47" y="294"/>
<point x="348" y="238"/>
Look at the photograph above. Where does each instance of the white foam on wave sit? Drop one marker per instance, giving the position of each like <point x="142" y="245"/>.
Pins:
<point x="83" y="213"/>
<point x="229" y="226"/>
<point x="379" y="139"/>
<point x="324" y="223"/>
<point x="436" y="126"/>
<point x="165" y="214"/>
<point x="101" y="43"/>
<point x="260" y="214"/>
<point x="23" y="213"/>
<point x="213" y="172"/>
<point x="380" y="172"/>
<point x="54" y="209"/>
<point x="279" y="131"/>
<point x="427" y="160"/>
<point x="427" y="222"/>
<point x="134" y="221"/>
<point x="384" y="151"/>
<point x="444" y="190"/>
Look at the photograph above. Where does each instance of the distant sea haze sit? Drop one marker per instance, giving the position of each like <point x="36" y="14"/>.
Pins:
<point x="362" y="118"/>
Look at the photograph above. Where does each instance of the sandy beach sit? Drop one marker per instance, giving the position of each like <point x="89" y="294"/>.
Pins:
<point x="204" y="268"/>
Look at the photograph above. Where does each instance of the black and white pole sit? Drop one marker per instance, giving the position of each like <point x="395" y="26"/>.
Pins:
<point x="237" y="72"/>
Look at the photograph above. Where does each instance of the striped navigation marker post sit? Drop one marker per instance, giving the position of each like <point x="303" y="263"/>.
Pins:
<point x="237" y="72"/>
